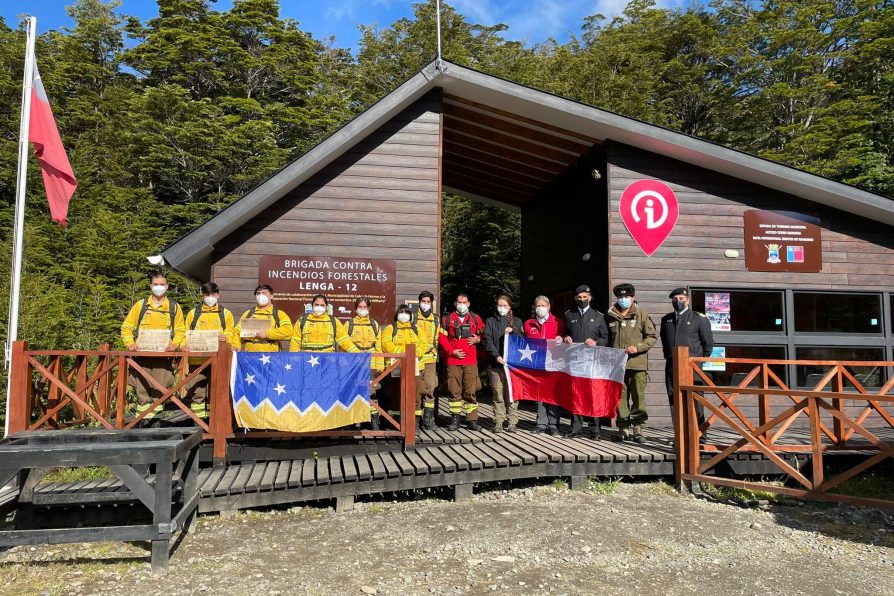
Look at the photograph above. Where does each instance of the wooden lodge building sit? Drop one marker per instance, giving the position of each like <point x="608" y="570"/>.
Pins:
<point x="373" y="190"/>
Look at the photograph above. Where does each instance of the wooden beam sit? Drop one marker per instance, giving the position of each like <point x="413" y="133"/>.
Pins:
<point x="452" y="123"/>
<point x="511" y="153"/>
<point x="486" y="189"/>
<point x="476" y="155"/>
<point x="510" y="179"/>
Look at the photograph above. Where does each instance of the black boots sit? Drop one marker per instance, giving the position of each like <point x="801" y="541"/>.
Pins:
<point x="455" y="421"/>
<point x="428" y="419"/>
<point x="374" y="421"/>
<point x="473" y="425"/>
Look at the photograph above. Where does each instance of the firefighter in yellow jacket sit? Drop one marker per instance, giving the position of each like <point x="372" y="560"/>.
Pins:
<point x="319" y="331"/>
<point x="395" y="339"/>
<point x="156" y="311"/>
<point x="366" y="335"/>
<point x="428" y="327"/>
<point x="280" y="326"/>
<point x="208" y="316"/>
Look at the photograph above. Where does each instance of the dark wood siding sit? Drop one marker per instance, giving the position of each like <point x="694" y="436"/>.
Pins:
<point x="857" y="253"/>
<point x="379" y="199"/>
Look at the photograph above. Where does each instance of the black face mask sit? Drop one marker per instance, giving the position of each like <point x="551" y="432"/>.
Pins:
<point x="679" y="305"/>
<point x="582" y="304"/>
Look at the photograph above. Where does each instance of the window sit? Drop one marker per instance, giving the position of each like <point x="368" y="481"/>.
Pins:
<point x="735" y="373"/>
<point x="747" y="310"/>
<point x="868" y="376"/>
<point x="839" y="312"/>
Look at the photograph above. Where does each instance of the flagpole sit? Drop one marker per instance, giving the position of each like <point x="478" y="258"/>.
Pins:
<point x="19" y="231"/>
<point x="438" y="61"/>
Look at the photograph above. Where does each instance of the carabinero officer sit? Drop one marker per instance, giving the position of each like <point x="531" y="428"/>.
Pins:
<point x="584" y="324"/>
<point x="684" y="327"/>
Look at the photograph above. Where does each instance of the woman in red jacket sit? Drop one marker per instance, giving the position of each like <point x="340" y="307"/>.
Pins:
<point x="544" y="325"/>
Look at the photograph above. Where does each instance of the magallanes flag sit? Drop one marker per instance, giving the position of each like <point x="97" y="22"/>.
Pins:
<point x="300" y="391"/>
<point x="583" y="380"/>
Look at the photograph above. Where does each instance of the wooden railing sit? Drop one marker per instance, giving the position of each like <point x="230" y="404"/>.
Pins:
<point x="836" y="410"/>
<point x="56" y="389"/>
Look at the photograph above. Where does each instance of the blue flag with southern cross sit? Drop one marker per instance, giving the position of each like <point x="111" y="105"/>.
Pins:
<point x="300" y="391"/>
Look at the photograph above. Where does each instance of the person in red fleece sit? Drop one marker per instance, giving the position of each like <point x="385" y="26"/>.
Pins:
<point x="460" y="334"/>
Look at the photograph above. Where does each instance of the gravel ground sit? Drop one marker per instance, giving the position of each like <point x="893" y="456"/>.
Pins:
<point x="635" y="538"/>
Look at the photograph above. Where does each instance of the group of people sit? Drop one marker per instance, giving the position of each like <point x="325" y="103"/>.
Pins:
<point x="454" y="340"/>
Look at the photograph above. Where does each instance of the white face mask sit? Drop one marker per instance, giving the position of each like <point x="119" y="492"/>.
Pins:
<point x="262" y="299"/>
<point x="159" y="290"/>
<point x="403" y="318"/>
<point x="462" y="308"/>
<point x="210" y="301"/>
<point x="424" y="306"/>
<point x="319" y="309"/>
<point x="541" y="311"/>
<point x="362" y="312"/>
<point x="502" y="310"/>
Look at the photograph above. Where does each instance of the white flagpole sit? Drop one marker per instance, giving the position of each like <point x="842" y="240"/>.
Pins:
<point x="19" y="232"/>
<point x="438" y="65"/>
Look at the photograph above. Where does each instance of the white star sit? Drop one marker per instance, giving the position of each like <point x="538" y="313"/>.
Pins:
<point x="313" y="361"/>
<point x="527" y="353"/>
<point x="265" y="359"/>
<point x="250" y="379"/>
<point x="288" y="366"/>
<point x="280" y="389"/>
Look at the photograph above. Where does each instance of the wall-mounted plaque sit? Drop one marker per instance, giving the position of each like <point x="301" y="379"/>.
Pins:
<point x="782" y="241"/>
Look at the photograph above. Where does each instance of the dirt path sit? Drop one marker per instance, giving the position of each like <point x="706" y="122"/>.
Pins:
<point x="639" y="539"/>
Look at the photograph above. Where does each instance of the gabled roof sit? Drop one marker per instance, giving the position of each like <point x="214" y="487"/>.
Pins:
<point x="561" y="125"/>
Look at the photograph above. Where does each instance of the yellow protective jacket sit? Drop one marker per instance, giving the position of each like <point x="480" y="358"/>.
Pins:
<point x="280" y="331"/>
<point x="427" y="328"/>
<point x="155" y="317"/>
<point x="366" y="335"/>
<point x="320" y="333"/>
<point x="209" y="320"/>
<point x="396" y="340"/>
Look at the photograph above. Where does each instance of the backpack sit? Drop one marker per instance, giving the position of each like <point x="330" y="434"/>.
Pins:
<point x="251" y="313"/>
<point x="372" y="324"/>
<point x="303" y="322"/>
<point x="172" y="310"/>
<point x="198" y="313"/>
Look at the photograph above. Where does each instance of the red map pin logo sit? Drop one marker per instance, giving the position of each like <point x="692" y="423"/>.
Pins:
<point x="649" y="210"/>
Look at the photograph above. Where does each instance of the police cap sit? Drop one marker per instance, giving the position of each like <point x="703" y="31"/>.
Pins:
<point x="622" y="290"/>
<point x="582" y="288"/>
<point x="679" y="291"/>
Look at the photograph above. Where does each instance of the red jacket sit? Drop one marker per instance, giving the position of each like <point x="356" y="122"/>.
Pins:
<point x="551" y="328"/>
<point x="449" y="341"/>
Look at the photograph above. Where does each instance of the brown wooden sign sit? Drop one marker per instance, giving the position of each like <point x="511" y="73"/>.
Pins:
<point x="295" y="281"/>
<point x="782" y="241"/>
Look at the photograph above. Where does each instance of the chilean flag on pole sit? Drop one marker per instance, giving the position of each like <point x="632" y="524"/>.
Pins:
<point x="58" y="177"/>
<point x="581" y="379"/>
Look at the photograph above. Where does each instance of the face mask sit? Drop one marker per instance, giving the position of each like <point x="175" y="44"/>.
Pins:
<point x="403" y="318"/>
<point x="210" y="301"/>
<point x="541" y="311"/>
<point x="502" y="311"/>
<point x="625" y="302"/>
<point x="679" y="305"/>
<point x="462" y="308"/>
<point x="362" y="312"/>
<point x="262" y="299"/>
<point x="582" y="304"/>
<point x="424" y="306"/>
<point x="158" y="290"/>
<point x="319" y="309"/>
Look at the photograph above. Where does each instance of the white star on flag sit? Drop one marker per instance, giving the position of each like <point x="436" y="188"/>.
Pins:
<point x="288" y="367"/>
<point x="313" y="361"/>
<point x="249" y="379"/>
<point x="527" y="353"/>
<point x="280" y="389"/>
<point x="265" y="359"/>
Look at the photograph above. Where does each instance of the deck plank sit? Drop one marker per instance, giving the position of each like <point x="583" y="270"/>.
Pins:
<point x="282" y="475"/>
<point x="269" y="476"/>
<point x="364" y="472"/>
<point x="308" y="478"/>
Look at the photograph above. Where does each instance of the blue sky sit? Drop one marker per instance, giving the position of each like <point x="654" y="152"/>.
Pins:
<point x="528" y="20"/>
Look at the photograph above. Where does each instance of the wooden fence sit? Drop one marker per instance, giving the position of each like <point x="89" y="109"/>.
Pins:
<point x="53" y="389"/>
<point x="759" y="413"/>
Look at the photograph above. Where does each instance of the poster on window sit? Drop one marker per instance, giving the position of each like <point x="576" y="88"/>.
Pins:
<point x="717" y="310"/>
<point x="717" y="352"/>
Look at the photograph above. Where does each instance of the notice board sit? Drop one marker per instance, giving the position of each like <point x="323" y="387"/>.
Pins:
<point x="782" y="241"/>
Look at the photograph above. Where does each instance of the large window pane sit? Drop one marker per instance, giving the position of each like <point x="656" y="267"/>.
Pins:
<point x="735" y="373"/>
<point x="747" y="310"/>
<point x="868" y="376"/>
<point x="838" y="312"/>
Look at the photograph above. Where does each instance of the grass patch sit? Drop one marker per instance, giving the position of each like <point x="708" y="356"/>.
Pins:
<point x="559" y="484"/>
<point x="741" y="495"/>
<point x="603" y="486"/>
<point x="78" y="474"/>
<point x="663" y="488"/>
<point x="872" y="486"/>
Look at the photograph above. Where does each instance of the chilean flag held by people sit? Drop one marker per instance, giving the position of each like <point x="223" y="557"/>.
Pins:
<point x="58" y="177"/>
<point x="581" y="379"/>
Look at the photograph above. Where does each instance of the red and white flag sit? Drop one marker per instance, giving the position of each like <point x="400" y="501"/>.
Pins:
<point x="580" y="379"/>
<point x="58" y="177"/>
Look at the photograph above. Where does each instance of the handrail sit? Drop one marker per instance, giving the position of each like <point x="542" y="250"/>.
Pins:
<point x="698" y="452"/>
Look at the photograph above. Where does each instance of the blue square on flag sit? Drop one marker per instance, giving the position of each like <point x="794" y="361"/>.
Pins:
<point x="527" y="353"/>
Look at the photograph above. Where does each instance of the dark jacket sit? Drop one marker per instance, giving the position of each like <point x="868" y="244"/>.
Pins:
<point x="633" y="329"/>
<point x="589" y="326"/>
<point x="689" y="329"/>
<point x="494" y="331"/>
